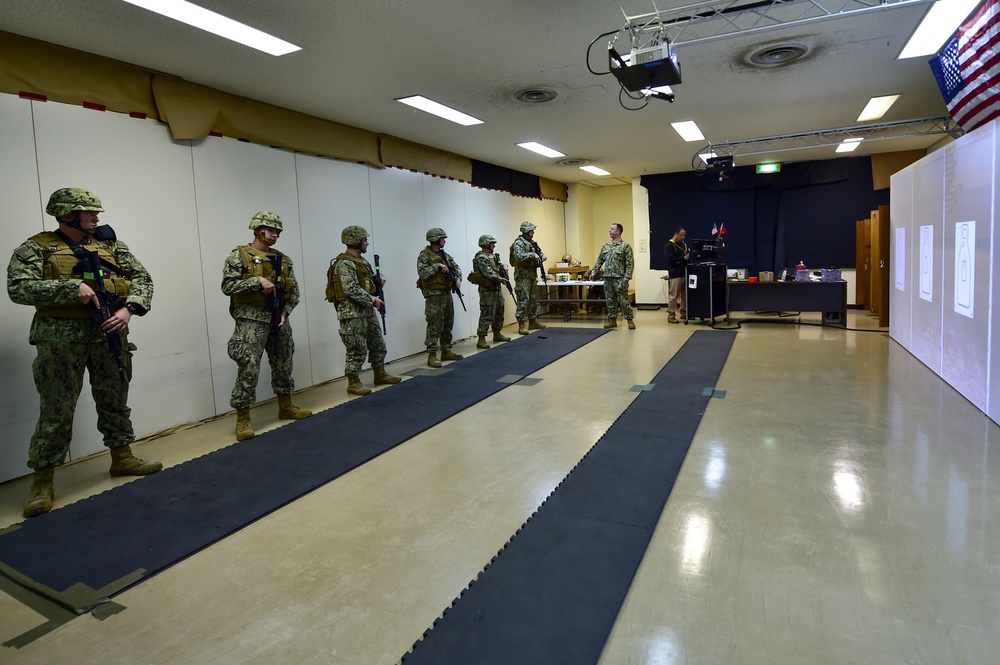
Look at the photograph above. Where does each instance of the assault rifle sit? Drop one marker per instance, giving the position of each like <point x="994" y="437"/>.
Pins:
<point x="541" y="263"/>
<point x="506" y="277"/>
<point x="91" y="268"/>
<point x="276" y="301"/>
<point x="452" y="278"/>
<point x="380" y="293"/>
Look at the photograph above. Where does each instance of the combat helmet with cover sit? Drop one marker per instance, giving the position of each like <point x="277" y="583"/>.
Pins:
<point x="68" y="200"/>
<point x="353" y="235"/>
<point x="265" y="218"/>
<point x="486" y="239"/>
<point x="527" y="227"/>
<point x="435" y="234"/>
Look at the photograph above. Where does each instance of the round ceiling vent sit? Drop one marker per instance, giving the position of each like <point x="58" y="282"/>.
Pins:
<point x="535" y="95"/>
<point x="777" y="54"/>
<point x="574" y="161"/>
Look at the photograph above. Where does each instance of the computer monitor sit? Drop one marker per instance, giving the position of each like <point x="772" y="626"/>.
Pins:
<point x="706" y="251"/>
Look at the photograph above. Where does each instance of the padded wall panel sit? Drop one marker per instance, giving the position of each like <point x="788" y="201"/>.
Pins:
<point x="927" y="256"/>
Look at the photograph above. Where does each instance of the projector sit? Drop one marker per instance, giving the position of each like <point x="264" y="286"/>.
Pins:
<point x="649" y="67"/>
<point x="723" y="162"/>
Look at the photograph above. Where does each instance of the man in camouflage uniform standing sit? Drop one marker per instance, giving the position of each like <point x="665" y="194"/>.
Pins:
<point x="486" y="269"/>
<point x="46" y="272"/>
<point x="527" y="258"/>
<point x="618" y="261"/>
<point x="251" y="279"/>
<point x="433" y="269"/>
<point x="353" y="291"/>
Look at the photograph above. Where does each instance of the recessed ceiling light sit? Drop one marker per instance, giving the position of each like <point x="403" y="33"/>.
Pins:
<point x="939" y="24"/>
<point x="688" y="130"/>
<point x="543" y="150"/>
<point x="440" y="110"/>
<point x="594" y="170"/>
<point x="849" y="145"/>
<point x="196" y="16"/>
<point x="877" y="107"/>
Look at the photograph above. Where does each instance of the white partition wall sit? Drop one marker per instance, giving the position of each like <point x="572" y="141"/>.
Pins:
<point x="941" y="309"/>
<point x="182" y="207"/>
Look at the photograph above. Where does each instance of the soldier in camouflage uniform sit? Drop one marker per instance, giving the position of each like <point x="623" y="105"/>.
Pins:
<point x="45" y="272"/>
<point x="486" y="269"/>
<point x="433" y="268"/>
<point x="352" y="290"/>
<point x="526" y="257"/>
<point x="250" y="279"/>
<point x="616" y="257"/>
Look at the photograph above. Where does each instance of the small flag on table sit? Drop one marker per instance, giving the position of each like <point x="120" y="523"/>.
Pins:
<point x="715" y="229"/>
<point x="968" y="69"/>
<point x="722" y="229"/>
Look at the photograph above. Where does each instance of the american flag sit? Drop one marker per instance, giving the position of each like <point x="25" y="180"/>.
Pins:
<point x="968" y="70"/>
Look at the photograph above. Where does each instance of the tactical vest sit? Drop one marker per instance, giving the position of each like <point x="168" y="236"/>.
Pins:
<point x="525" y="263"/>
<point x="334" y="286"/>
<point x="60" y="262"/>
<point x="258" y="264"/>
<point x="438" y="280"/>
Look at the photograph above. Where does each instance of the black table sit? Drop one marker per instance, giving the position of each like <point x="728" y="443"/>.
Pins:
<point x="827" y="297"/>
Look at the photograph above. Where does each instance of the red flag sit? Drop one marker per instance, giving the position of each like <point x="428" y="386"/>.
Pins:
<point x="715" y="229"/>
<point x="722" y="229"/>
<point x="968" y="70"/>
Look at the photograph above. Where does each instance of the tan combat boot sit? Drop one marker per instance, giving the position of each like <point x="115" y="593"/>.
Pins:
<point x="533" y="324"/>
<point x="482" y="343"/>
<point x="498" y="336"/>
<point x="244" y="429"/>
<point x="124" y="463"/>
<point x="383" y="378"/>
<point x="355" y="387"/>
<point x="432" y="360"/>
<point x="448" y="354"/>
<point x="288" y="411"/>
<point x="41" y="494"/>
<point x="612" y="323"/>
<point x="522" y="327"/>
<point x="631" y="324"/>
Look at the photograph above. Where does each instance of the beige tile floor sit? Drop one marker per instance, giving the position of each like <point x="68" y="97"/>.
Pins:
<point x="835" y="507"/>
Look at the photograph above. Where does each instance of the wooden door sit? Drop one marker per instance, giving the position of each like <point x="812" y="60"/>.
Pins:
<point x="880" y="264"/>
<point x="863" y="263"/>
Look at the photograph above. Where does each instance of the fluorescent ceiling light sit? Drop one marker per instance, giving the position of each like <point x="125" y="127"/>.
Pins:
<point x="705" y="156"/>
<point x="543" y="150"/>
<point x="688" y="130"/>
<point x="849" y="145"/>
<point x="876" y="107"/>
<point x="595" y="170"/>
<point x="939" y="24"/>
<point x="440" y="110"/>
<point x="196" y="16"/>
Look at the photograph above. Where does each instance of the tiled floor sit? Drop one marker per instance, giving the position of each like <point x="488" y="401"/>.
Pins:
<point x="835" y="507"/>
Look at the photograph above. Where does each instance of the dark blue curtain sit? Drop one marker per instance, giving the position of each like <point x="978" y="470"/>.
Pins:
<point x="806" y="212"/>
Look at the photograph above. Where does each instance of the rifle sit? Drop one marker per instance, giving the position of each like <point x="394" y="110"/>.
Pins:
<point x="380" y="293"/>
<point x="452" y="278"/>
<point x="90" y="267"/>
<point x="506" y="277"/>
<point x="276" y="301"/>
<point x="541" y="264"/>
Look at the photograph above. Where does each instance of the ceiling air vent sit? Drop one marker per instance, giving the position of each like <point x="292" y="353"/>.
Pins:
<point x="535" y="95"/>
<point x="574" y="161"/>
<point x="777" y="54"/>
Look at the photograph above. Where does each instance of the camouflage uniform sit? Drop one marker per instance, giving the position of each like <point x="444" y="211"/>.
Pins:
<point x="252" y="335"/>
<point x="618" y="262"/>
<point x="490" y="296"/>
<point x="439" y="306"/>
<point x="522" y="257"/>
<point x="67" y="341"/>
<point x="359" y="326"/>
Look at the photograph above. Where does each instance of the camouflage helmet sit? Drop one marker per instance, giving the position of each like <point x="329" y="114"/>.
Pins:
<point x="353" y="235"/>
<point x="265" y="218"/>
<point x="527" y="227"/>
<point x="486" y="239"/>
<point x="435" y="234"/>
<point x="68" y="200"/>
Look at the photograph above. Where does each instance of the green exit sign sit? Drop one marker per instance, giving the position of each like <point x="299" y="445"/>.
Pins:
<point x="768" y="168"/>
